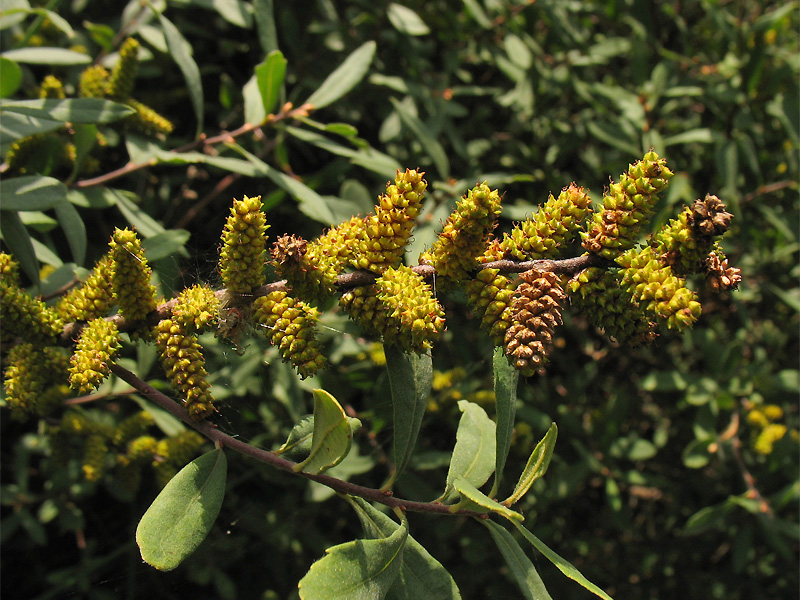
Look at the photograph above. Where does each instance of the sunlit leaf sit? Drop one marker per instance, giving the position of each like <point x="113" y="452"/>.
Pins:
<point x="406" y="20"/>
<point x="31" y="192"/>
<point x="345" y="77"/>
<point x="475" y="500"/>
<point x="269" y="76"/>
<point x="40" y="55"/>
<point x="474" y="452"/>
<point x="265" y="24"/>
<point x="506" y="378"/>
<point x="537" y="465"/>
<point x="10" y="77"/>
<point x="332" y="435"/>
<point x="298" y="444"/>
<point x="429" y="145"/>
<point x="519" y="565"/>
<point x="181" y="52"/>
<point x="74" y="110"/>
<point x="74" y="229"/>
<point x="180" y="518"/>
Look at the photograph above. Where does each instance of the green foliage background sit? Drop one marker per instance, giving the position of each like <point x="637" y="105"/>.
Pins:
<point x="647" y="491"/>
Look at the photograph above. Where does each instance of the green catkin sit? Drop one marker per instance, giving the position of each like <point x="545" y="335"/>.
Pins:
<point x="121" y="80"/>
<point x="130" y="276"/>
<point x="132" y="427"/>
<point x="92" y="299"/>
<point x="465" y="235"/>
<point x="627" y="206"/>
<point x="184" y="366"/>
<point x="94" y="456"/>
<point x="553" y="226"/>
<point x="290" y="325"/>
<point x="146" y="120"/>
<point x="174" y="452"/>
<point x="52" y="88"/>
<point x="244" y="242"/>
<point x="97" y="346"/>
<point x="9" y="269"/>
<point x="25" y="317"/>
<point x="93" y="82"/>
<point x="196" y="308"/>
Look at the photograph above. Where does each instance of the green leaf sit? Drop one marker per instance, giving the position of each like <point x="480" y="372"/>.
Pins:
<point x="475" y="500"/>
<point x="10" y="77"/>
<point x="40" y="55"/>
<point x="253" y="102"/>
<point x="13" y="12"/>
<point x="265" y="24"/>
<point x="406" y="20"/>
<point x="345" y="77"/>
<point x="85" y="139"/>
<point x="562" y="564"/>
<point x="696" y="455"/>
<point x="537" y="465"/>
<point x="145" y="225"/>
<point x="165" y="244"/>
<point x="474" y="453"/>
<point x="506" y="378"/>
<point x="421" y="575"/>
<point x="74" y="229"/>
<point x="410" y="379"/>
<point x="181" y="52"/>
<point x="299" y="440"/>
<point x="14" y="126"/>
<point x="701" y="135"/>
<point x="19" y="242"/>
<point x="32" y="192"/>
<point x="73" y="110"/>
<point x="182" y="515"/>
<point x="332" y="435"/>
<point x="269" y="76"/>
<point x="358" y="570"/>
<point x="421" y="131"/>
<point x="519" y="565"/>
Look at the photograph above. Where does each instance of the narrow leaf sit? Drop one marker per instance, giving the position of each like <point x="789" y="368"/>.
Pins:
<point x="537" y="465"/>
<point x="520" y="566"/>
<point x="181" y="52"/>
<point x="358" y="570"/>
<point x="422" y="132"/>
<point x="410" y="379"/>
<point x="406" y="20"/>
<point x="345" y="77"/>
<point x="332" y="437"/>
<point x="32" y="192"/>
<point x="265" y="24"/>
<point x="73" y="110"/>
<point x="562" y="564"/>
<point x="269" y="76"/>
<point x="421" y="575"/>
<point x="10" y="77"/>
<point x="48" y="56"/>
<point x="74" y="229"/>
<point x="475" y="500"/>
<point x="506" y="378"/>
<point x="14" y="126"/>
<point x="474" y="453"/>
<point x="182" y="515"/>
<point x="18" y="240"/>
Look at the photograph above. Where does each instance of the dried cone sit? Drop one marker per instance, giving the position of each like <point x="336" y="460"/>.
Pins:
<point x="536" y="309"/>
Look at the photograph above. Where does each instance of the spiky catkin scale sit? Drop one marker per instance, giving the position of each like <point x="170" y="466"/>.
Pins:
<point x="146" y="120"/>
<point x="92" y="299"/>
<point x="93" y="82"/>
<point x="536" y="311"/>
<point x="97" y="346"/>
<point x="608" y="306"/>
<point x="465" y="235"/>
<point x="657" y="290"/>
<point x="121" y="80"/>
<point x="385" y="233"/>
<point x="720" y="276"/>
<point x="32" y="378"/>
<point x="414" y="318"/>
<point x="9" y="269"/>
<point x="243" y="253"/>
<point x="552" y="227"/>
<point x="490" y="294"/>
<point x="308" y="278"/>
<point x="290" y="325"/>
<point x="196" y="308"/>
<point x="627" y="206"/>
<point x="25" y="317"/>
<point x="130" y="276"/>
<point x="183" y="362"/>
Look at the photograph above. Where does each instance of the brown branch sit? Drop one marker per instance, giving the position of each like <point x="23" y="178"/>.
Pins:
<point x="274" y="460"/>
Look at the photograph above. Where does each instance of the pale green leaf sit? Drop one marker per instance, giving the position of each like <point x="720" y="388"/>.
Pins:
<point x="519" y="565"/>
<point x="422" y="132"/>
<point x="14" y="126"/>
<point x="253" y="102"/>
<point x="10" y="77"/>
<point x="358" y="570"/>
<point x="562" y="564"/>
<point x="13" y="12"/>
<point x="475" y="500"/>
<point x="269" y="76"/>
<point x="537" y="465"/>
<point x="145" y="225"/>
<point x="506" y="378"/>
<point x="332" y="436"/>
<point x="181" y="52"/>
<point x="410" y="379"/>
<point x="406" y="20"/>
<point x="165" y="244"/>
<point x="345" y="77"/>
<point x="40" y="55"/>
<point x="265" y="24"/>
<point x="299" y="441"/>
<point x="474" y="453"/>
<point x="32" y="192"/>
<point x="182" y="515"/>
<point x="73" y="110"/>
<point x="421" y="575"/>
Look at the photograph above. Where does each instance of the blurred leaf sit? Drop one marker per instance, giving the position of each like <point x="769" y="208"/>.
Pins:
<point x="707" y="518"/>
<point x="410" y="378"/>
<point x="14" y="126"/>
<point x="696" y="455"/>
<point x="32" y="192"/>
<point x="165" y="244"/>
<point x="331" y="438"/>
<point x="181" y="52"/>
<point x="77" y="110"/>
<point x="429" y="145"/>
<point x="506" y="378"/>
<point x="182" y="515"/>
<point x="265" y="24"/>
<point x="145" y="225"/>
<point x="519" y="565"/>
<point x="16" y="237"/>
<point x="359" y="570"/>
<point x="14" y="12"/>
<point x="474" y="453"/>
<point x="345" y="77"/>
<point x="563" y="565"/>
<point x="101" y="34"/>
<point x="269" y="76"/>
<point x="475" y="500"/>
<point x="536" y="466"/>
<point x="421" y="575"/>
<point x="163" y="420"/>
<point x="74" y="229"/>
<point x="699" y="136"/>
<point x="40" y="55"/>
<point x="476" y="11"/>
<point x="10" y="77"/>
<point x="406" y="20"/>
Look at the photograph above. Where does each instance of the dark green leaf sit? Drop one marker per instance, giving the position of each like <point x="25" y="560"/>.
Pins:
<point x="345" y="77"/>
<point x="265" y="24"/>
<point x="74" y="229"/>
<point x="10" y="77"/>
<point x="519" y="565"/>
<point x="145" y="225"/>
<point x="474" y="452"/>
<point x="181" y="52"/>
<point x="32" y="192"/>
<point x="359" y="570"/>
<point x="164" y="244"/>
<point x="269" y="76"/>
<point x="14" y="126"/>
<point x="422" y="132"/>
<point x="332" y="435"/>
<point x="505" y="393"/>
<point x="77" y="110"/>
<point x="18" y="240"/>
<point x="182" y="515"/>
<point x="537" y="465"/>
